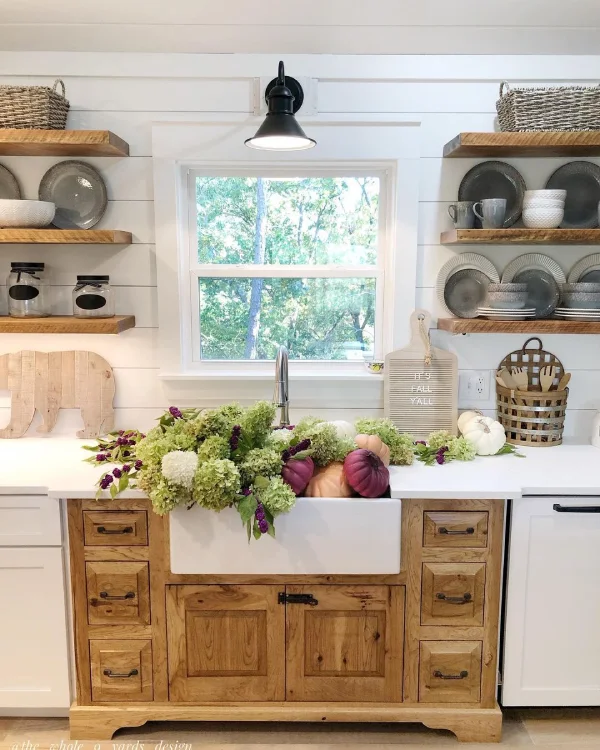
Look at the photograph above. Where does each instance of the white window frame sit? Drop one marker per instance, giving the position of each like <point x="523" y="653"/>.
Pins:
<point x="197" y="270"/>
<point x="384" y="149"/>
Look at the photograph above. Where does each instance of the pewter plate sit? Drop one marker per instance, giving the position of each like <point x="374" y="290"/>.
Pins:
<point x="581" y="180"/>
<point x="587" y="269"/>
<point x="495" y="179"/>
<point x="9" y="187"/>
<point x="543" y="292"/>
<point x="465" y="291"/>
<point x="457" y="263"/>
<point x="79" y="193"/>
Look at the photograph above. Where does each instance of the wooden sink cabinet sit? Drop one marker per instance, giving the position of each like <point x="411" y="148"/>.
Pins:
<point x="420" y="646"/>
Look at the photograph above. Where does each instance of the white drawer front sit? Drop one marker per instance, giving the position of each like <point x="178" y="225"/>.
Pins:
<point x="29" y="520"/>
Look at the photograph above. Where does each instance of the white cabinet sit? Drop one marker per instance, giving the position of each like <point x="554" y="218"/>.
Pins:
<point x="552" y="646"/>
<point x="34" y="660"/>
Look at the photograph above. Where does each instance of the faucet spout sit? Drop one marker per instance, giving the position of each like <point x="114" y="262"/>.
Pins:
<point x="281" y="394"/>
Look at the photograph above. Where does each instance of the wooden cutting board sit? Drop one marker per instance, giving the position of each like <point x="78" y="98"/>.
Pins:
<point x="49" y="381"/>
<point x="421" y="384"/>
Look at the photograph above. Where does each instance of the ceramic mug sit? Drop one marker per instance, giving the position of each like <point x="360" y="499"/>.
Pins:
<point x="462" y="214"/>
<point x="493" y="212"/>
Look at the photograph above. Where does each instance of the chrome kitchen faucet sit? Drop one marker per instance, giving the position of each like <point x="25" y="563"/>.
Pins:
<point x="281" y="395"/>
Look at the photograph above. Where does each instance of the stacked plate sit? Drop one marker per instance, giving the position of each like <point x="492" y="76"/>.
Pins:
<point x="494" y="314"/>
<point x="572" y="313"/>
<point x="463" y="282"/>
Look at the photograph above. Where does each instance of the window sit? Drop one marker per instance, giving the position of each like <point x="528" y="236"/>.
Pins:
<point x="294" y="259"/>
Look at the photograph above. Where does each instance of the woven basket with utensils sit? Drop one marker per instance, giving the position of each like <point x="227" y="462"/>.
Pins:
<point x="37" y="107"/>
<point x="531" y="396"/>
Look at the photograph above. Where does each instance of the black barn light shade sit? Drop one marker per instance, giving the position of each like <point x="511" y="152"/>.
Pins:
<point x="280" y="131"/>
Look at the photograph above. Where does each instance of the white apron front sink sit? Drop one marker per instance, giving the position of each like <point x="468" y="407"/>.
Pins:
<point x="319" y="535"/>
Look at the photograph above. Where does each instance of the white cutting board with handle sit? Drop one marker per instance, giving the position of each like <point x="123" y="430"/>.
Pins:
<point x="421" y="383"/>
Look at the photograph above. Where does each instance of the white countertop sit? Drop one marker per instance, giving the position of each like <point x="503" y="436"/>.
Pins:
<point x="54" y="466"/>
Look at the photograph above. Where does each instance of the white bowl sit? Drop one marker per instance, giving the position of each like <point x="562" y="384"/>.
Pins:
<point x="26" y="214"/>
<point x="560" y="195"/>
<point x="543" y="218"/>
<point x="542" y="203"/>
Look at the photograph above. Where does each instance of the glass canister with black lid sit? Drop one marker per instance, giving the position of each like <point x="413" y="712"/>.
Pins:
<point x="93" y="297"/>
<point x="27" y="293"/>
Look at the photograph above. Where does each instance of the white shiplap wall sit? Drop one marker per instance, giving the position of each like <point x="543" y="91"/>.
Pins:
<point x="126" y="93"/>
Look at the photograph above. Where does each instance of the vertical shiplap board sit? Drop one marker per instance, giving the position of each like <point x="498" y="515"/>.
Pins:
<point x="128" y="93"/>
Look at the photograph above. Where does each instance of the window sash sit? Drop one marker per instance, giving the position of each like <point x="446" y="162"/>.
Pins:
<point x="198" y="270"/>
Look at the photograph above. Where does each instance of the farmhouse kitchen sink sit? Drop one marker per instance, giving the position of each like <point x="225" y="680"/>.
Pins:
<point x="319" y="535"/>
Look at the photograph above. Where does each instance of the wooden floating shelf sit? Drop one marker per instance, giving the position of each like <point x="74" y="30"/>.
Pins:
<point x="538" y="143"/>
<point x="521" y="236"/>
<point x="479" y="325"/>
<point x="18" y="142"/>
<point x="65" y="236"/>
<point x="67" y="324"/>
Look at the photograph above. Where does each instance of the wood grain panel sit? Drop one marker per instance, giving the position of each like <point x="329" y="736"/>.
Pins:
<point x="118" y="593"/>
<point x="67" y="324"/>
<point x="453" y="594"/>
<point x="25" y="142"/>
<point x="79" y="603"/>
<point x="479" y="325"/>
<point x="521" y="236"/>
<point x="348" y="646"/>
<point x="450" y="672"/>
<point x="225" y="643"/>
<point x="455" y="529"/>
<point x="541" y="144"/>
<point x="121" y="670"/>
<point x="115" y="528"/>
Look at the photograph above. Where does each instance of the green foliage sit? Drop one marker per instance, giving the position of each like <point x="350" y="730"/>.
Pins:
<point x="216" y="484"/>
<point x="265" y="462"/>
<point x="256" y="423"/>
<point x="325" y="444"/>
<point x="278" y="497"/>
<point x="212" y="448"/>
<point x="312" y="220"/>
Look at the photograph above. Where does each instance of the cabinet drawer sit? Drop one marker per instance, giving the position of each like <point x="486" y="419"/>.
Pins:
<point x="29" y="521"/>
<point x="452" y="594"/>
<point x="455" y="528"/>
<point x="121" y="670"/>
<point x="115" y="527"/>
<point x="450" y="672"/>
<point x="118" y="593"/>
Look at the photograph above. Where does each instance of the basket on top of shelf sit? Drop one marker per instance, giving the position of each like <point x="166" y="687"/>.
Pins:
<point x="533" y="417"/>
<point x="554" y="108"/>
<point x="36" y="107"/>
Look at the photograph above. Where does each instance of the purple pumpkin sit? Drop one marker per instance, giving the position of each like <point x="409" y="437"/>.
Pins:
<point x="298" y="473"/>
<point x="366" y="473"/>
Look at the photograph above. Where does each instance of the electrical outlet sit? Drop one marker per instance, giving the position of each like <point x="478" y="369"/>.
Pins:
<point x="473" y="385"/>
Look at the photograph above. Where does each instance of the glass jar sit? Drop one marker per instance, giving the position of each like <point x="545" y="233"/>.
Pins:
<point x="93" y="297"/>
<point x="27" y="290"/>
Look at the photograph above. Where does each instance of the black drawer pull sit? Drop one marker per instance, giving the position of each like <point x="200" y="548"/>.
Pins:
<point x="468" y="530"/>
<point x="126" y="530"/>
<point x="460" y="676"/>
<point x="105" y="595"/>
<point x="576" y="508"/>
<point x="132" y="673"/>
<point x="450" y="599"/>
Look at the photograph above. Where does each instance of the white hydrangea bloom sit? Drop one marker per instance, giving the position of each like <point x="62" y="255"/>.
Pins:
<point x="179" y="467"/>
<point x="280" y="436"/>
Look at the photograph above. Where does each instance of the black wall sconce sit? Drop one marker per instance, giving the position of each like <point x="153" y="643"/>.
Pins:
<point x="280" y="131"/>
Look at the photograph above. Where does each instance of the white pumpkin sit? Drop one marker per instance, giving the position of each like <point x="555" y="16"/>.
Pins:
<point x="486" y="435"/>
<point x="466" y="417"/>
<point x="344" y="429"/>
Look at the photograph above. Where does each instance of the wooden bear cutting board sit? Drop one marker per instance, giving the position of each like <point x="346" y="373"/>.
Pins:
<point x="49" y="381"/>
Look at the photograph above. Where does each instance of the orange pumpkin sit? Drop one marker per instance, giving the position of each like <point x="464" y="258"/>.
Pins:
<point x="374" y="444"/>
<point x="329" y="481"/>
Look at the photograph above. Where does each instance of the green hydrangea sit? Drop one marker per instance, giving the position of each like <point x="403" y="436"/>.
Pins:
<point x="151" y="450"/>
<point x="264" y="462"/>
<point x="278" y="497"/>
<point x="163" y="495"/>
<point x="213" y="447"/>
<point x="460" y="449"/>
<point x="210" y="422"/>
<point x="256" y="423"/>
<point x="279" y="439"/>
<point x="216" y="484"/>
<point x="325" y="444"/>
<point x="400" y="444"/>
<point x="439" y="439"/>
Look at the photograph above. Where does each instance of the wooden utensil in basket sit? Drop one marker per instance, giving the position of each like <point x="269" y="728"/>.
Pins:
<point x="535" y="416"/>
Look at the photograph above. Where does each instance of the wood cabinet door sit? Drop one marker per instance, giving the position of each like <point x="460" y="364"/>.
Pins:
<point x="348" y="646"/>
<point x="225" y="643"/>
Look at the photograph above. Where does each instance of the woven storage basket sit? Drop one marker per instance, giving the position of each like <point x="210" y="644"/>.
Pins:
<point x="533" y="417"/>
<point x="556" y="108"/>
<point x="37" y="107"/>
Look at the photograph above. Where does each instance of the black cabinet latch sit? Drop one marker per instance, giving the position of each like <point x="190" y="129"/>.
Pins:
<point x="284" y="598"/>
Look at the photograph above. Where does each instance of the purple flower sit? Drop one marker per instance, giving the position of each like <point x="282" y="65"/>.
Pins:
<point x="443" y="449"/>
<point x="121" y="432"/>
<point x="263" y="526"/>
<point x="439" y="457"/>
<point x="420" y="442"/>
<point x="303" y="445"/>
<point x="126" y="453"/>
<point x="142" y="436"/>
<point x="174" y="412"/>
<point x="286" y="455"/>
<point x="101" y="457"/>
<point x="138" y="465"/>
<point x="122" y="441"/>
<point x="246" y="491"/>
<point x="126" y="468"/>
<point x="106" y="481"/>
<point x="117" y="473"/>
